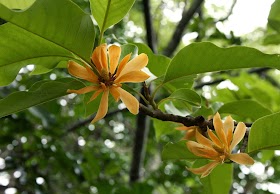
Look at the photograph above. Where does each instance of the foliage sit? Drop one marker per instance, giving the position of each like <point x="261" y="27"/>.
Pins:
<point x="48" y="146"/>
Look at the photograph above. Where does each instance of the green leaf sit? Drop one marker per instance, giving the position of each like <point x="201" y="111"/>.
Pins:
<point x="20" y="48"/>
<point x="109" y="12"/>
<point x="184" y="95"/>
<point x="61" y="22"/>
<point x="17" y="4"/>
<point x="219" y="180"/>
<point x="272" y="39"/>
<point x="39" y="93"/>
<point x="177" y="151"/>
<point x="207" y="57"/>
<point x="264" y="134"/>
<point x="163" y="128"/>
<point x="274" y="16"/>
<point x="44" y="40"/>
<point x="157" y="63"/>
<point x="127" y="49"/>
<point x="245" y="108"/>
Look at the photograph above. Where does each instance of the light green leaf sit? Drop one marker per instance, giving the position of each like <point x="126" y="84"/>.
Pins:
<point x="264" y="134"/>
<point x="44" y="40"/>
<point x="39" y="93"/>
<point x="20" y="48"/>
<point x="272" y="39"/>
<point x="163" y="128"/>
<point x="109" y="12"/>
<point x="177" y="151"/>
<point x="219" y="180"/>
<point x="245" y="108"/>
<point x="274" y="16"/>
<point x="184" y="95"/>
<point x="157" y="63"/>
<point x="17" y="4"/>
<point x="60" y="22"/>
<point x="207" y="57"/>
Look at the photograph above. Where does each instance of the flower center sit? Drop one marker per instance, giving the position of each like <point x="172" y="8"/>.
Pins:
<point x="107" y="78"/>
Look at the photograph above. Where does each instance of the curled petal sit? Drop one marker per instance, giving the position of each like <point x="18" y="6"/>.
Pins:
<point x="242" y="158"/>
<point x="81" y="72"/>
<point x="83" y="90"/>
<point x="133" y="77"/>
<point x="190" y="134"/>
<point x="114" y="56"/>
<point x="238" y="134"/>
<point x="219" y="128"/>
<point x="203" y="140"/>
<point x="228" y="124"/>
<point x="135" y="64"/>
<point x="123" y="64"/>
<point x="99" y="57"/>
<point x="103" y="107"/>
<point x="214" y="138"/>
<point x="204" y="170"/>
<point x="201" y="150"/>
<point x="130" y="101"/>
<point x="115" y="93"/>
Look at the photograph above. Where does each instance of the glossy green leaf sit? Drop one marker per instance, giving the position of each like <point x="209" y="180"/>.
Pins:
<point x="264" y="134"/>
<point x="177" y="151"/>
<point x="219" y="180"/>
<point x="157" y="63"/>
<point x="184" y="95"/>
<point x="274" y="16"/>
<point x="109" y="12"/>
<point x="39" y="93"/>
<point x="272" y="39"/>
<point x="245" y="108"/>
<point x="17" y="4"/>
<point x="43" y="37"/>
<point x="75" y="34"/>
<point x="207" y="57"/>
<point x="20" y="48"/>
<point x="163" y="128"/>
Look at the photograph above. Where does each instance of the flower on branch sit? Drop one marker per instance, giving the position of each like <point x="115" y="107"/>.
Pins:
<point x="108" y="77"/>
<point x="190" y="131"/>
<point x="218" y="147"/>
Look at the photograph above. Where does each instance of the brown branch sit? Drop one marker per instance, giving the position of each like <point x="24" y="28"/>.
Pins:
<point x="178" y="33"/>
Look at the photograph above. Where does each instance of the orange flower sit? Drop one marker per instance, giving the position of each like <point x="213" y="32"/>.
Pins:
<point x="219" y="147"/>
<point x="111" y="76"/>
<point x="190" y="131"/>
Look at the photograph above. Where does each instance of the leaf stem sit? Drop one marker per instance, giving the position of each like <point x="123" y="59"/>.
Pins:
<point x="104" y="23"/>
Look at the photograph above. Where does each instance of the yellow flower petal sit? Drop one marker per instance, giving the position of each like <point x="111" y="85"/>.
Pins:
<point x="238" y="134"/>
<point x="242" y="158"/>
<point x="201" y="150"/>
<point x="114" y="56"/>
<point x="204" y="170"/>
<point x="219" y="128"/>
<point x="133" y="77"/>
<point x="214" y="138"/>
<point x="99" y="57"/>
<point x="228" y="124"/>
<point x="203" y="140"/>
<point x="95" y="95"/>
<point x="83" y="90"/>
<point x="122" y="64"/>
<point x="103" y="107"/>
<point x="81" y="72"/>
<point x="130" y="101"/>
<point x="115" y="93"/>
<point x="135" y="64"/>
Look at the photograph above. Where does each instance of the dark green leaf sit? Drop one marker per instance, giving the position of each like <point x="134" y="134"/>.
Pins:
<point x="245" y="108"/>
<point x="45" y="91"/>
<point x="264" y="134"/>
<point x="207" y="57"/>
<point x="177" y="151"/>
